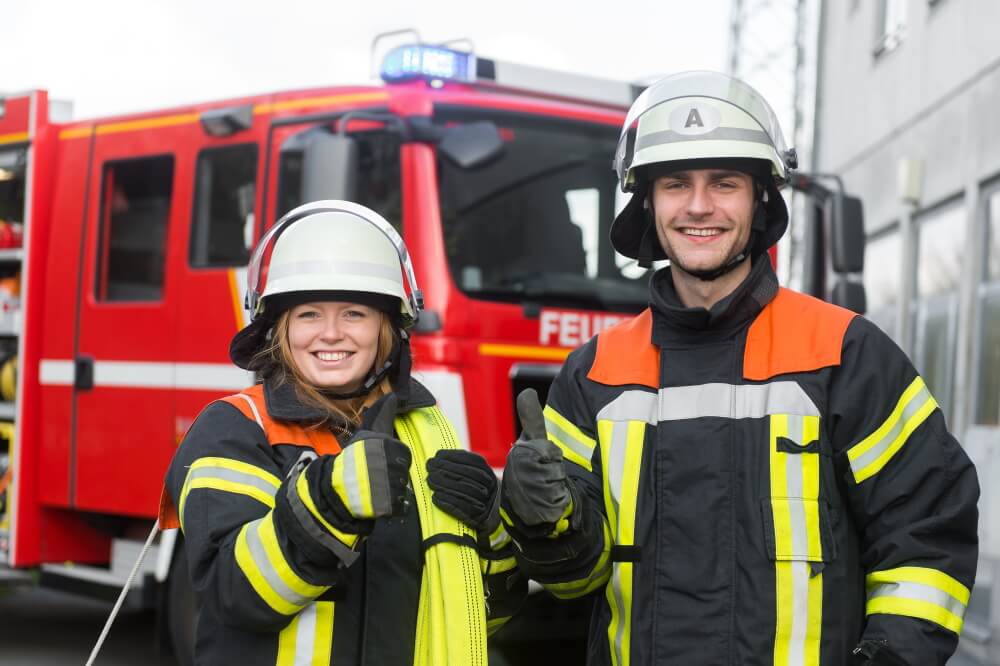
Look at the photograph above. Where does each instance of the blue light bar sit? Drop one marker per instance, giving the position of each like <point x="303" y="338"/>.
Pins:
<point x="410" y="62"/>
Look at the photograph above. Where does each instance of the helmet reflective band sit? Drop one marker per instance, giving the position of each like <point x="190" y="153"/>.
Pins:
<point x="331" y="246"/>
<point x="699" y="115"/>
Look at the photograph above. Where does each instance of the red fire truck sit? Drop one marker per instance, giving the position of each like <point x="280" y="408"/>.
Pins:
<point x="128" y="236"/>
<point x="123" y="246"/>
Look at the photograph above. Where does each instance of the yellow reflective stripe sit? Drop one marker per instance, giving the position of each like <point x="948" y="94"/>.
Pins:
<point x="15" y="137"/>
<point x="797" y="541"/>
<point x="324" y="633"/>
<point x="924" y="610"/>
<point x="287" y="641"/>
<point x="598" y="576"/>
<point x="918" y="592"/>
<point x="621" y="454"/>
<point x="302" y="488"/>
<point x="871" y="454"/>
<point x="576" y="446"/>
<point x="231" y="476"/>
<point x="269" y="539"/>
<point x="245" y="560"/>
<point x="308" y="638"/>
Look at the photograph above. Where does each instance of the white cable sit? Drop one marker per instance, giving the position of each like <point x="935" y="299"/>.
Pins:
<point x="121" y="597"/>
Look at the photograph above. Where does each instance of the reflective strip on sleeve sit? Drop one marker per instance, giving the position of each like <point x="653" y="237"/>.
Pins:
<point x="797" y="542"/>
<point x="308" y="639"/>
<point x="259" y="557"/>
<point x="621" y="456"/>
<point x="598" y="576"/>
<point x="231" y="476"/>
<point x="870" y="455"/>
<point x="350" y="480"/>
<point x="302" y="491"/>
<point x="919" y="592"/>
<point x="576" y="446"/>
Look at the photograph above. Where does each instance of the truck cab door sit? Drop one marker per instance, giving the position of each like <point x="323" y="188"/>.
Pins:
<point x="124" y="358"/>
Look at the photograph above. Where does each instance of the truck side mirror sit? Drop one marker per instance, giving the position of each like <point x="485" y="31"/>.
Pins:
<point x="471" y="145"/>
<point x="847" y="235"/>
<point x="329" y="167"/>
<point x="850" y="295"/>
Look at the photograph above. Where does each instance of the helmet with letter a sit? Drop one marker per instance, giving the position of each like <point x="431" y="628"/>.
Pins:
<point x="699" y="120"/>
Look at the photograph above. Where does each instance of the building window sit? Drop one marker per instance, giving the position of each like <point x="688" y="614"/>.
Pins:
<point x="135" y="207"/>
<point x="890" y="25"/>
<point x="987" y="409"/>
<point x="883" y="277"/>
<point x="223" y="220"/>
<point x="941" y="237"/>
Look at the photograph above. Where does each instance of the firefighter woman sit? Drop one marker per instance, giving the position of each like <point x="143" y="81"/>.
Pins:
<point x="747" y="475"/>
<point x="330" y="515"/>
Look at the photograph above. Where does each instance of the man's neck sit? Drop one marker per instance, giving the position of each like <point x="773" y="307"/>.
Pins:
<point x="698" y="293"/>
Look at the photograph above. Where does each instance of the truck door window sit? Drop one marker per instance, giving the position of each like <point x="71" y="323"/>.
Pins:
<point x="133" y="230"/>
<point x="533" y="224"/>
<point x="222" y="223"/>
<point x="378" y="184"/>
<point x="12" y="185"/>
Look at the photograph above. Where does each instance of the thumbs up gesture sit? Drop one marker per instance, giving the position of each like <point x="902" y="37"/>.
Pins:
<point x="374" y="454"/>
<point x="535" y="493"/>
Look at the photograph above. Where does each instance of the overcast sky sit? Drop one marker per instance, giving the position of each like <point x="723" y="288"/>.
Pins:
<point x="113" y="56"/>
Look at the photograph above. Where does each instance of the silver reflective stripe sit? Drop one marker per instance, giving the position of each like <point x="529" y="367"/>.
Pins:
<point x="365" y="268"/>
<point x="253" y="408"/>
<point x="616" y="585"/>
<point x="230" y="475"/>
<point x="918" y="591"/>
<point x="263" y="564"/>
<point x="872" y="454"/>
<point x="351" y="480"/>
<point x="305" y="636"/>
<point x="794" y="489"/>
<point x="718" y="134"/>
<point x="578" y="447"/>
<point x="800" y="613"/>
<point x="734" y="401"/>
<point x="631" y="406"/>
<point x="730" y="401"/>
<point x="616" y="464"/>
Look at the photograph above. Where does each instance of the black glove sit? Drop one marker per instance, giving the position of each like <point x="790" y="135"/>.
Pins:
<point x="535" y="494"/>
<point x="373" y="451"/>
<point x="463" y="485"/>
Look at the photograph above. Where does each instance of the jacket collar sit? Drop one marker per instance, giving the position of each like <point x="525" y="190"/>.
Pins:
<point x="673" y="321"/>
<point x="283" y="403"/>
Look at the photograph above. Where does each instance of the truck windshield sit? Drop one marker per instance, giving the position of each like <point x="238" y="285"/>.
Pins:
<point x="532" y="225"/>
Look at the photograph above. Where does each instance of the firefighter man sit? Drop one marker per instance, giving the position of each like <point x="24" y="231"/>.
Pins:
<point x="742" y="473"/>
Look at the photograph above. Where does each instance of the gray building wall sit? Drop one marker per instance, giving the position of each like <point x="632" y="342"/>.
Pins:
<point x="933" y="100"/>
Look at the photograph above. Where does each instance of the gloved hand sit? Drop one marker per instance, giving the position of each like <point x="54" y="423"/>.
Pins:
<point x="373" y="453"/>
<point x="535" y="496"/>
<point x="463" y="485"/>
<point x="876" y="653"/>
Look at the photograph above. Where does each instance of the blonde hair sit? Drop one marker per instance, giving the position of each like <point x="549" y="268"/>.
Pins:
<point x="338" y="411"/>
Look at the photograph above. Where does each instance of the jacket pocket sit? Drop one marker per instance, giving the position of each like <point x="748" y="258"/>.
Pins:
<point x="796" y="517"/>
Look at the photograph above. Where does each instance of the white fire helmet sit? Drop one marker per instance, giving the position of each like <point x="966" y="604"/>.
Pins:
<point x="699" y="120"/>
<point x="332" y="246"/>
<point x="700" y="115"/>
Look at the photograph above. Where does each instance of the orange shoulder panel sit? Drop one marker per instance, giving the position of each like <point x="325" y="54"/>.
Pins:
<point x="281" y="432"/>
<point x="794" y="333"/>
<point x="626" y="354"/>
